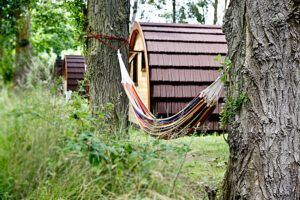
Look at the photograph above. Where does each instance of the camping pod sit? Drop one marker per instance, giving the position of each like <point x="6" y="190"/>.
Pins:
<point x="74" y="68"/>
<point x="170" y="64"/>
<point x="58" y="65"/>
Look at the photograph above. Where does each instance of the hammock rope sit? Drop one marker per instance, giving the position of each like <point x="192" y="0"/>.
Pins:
<point x="186" y="121"/>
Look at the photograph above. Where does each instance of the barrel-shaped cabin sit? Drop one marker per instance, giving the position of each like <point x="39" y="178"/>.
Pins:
<point x="58" y="65"/>
<point x="170" y="64"/>
<point x="73" y="71"/>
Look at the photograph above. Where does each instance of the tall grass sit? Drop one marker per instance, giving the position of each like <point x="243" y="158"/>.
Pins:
<point x="50" y="149"/>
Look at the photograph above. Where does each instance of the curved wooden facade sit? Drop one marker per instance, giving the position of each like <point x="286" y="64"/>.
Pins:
<point x="172" y="63"/>
<point x="74" y="68"/>
<point x="58" y="65"/>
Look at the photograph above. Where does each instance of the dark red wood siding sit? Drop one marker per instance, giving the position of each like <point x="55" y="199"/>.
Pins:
<point x="181" y="65"/>
<point x="58" y="66"/>
<point x="75" y="69"/>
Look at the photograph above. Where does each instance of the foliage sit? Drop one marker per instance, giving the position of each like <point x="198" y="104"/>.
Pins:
<point x="53" y="149"/>
<point x="52" y="28"/>
<point x="226" y="65"/>
<point x="6" y="71"/>
<point x="181" y="15"/>
<point x="232" y="104"/>
<point x="157" y="3"/>
<point x="10" y="11"/>
<point x="195" y="10"/>
<point x="230" y="108"/>
<point x="192" y="10"/>
<point x="41" y="70"/>
<point x="78" y="13"/>
<point x="185" y="10"/>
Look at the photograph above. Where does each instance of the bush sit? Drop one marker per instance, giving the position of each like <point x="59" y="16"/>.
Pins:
<point x="6" y="65"/>
<point x="50" y="149"/>
<point x="41" y="70"/>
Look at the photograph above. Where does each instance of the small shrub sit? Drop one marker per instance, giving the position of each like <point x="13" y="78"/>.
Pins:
<point x="232" y="105"/>
<point x="230" y="108"/>
<point x="51" y="149"/>
<point x="41" y="70"/>
<point x="6" y="66"/>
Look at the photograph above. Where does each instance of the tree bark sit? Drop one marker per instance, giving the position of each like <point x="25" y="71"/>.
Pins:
<point x="134" y="12"/>
<point x="264" y="139"/>
<point x="23" y="47"/>
<point x="216" y="11"/>
<point x="174" y="10"/>
<point x="110" y="17"/>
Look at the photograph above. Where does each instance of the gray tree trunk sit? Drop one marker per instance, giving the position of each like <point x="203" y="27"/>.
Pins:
<point x="110" y="17"/>
<point x="134" y="12"/>
<point x="23" y="47"/>
<point x="174" y="10"/>
<point x="216" y="11"/>
<point x="264" y="45"/>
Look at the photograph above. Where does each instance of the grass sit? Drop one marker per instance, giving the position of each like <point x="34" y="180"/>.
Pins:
<point x="50" y="149"/>
<point x="203" y="166"/>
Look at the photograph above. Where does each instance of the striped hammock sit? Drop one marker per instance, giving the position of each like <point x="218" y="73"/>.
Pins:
<point x="184" y="122"/>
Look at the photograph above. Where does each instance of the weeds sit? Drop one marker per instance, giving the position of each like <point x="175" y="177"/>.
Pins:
<point x="232" y="104"/>
<point x="50" y="149"/>
<point x="230" y="108"/>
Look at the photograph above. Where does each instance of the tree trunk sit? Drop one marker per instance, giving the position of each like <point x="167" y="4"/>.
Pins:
<point x="134" y="11"/>
<point x="216" y="11"/>
<point x="225" y="6"/>
<point x="264" y="139"/>
<point x="23" y="47"/>
<point x="110" y="17"/>
<point x="174" y="10"/>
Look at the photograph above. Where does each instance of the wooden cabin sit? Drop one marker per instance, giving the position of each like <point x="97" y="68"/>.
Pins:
<point x="73" y="70"/>
<point x="170" y="64"/>
<point x="58" y="65"/>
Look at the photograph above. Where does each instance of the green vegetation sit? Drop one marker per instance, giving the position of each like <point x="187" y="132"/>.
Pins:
<point x="185" y="11"/>
<point x="50" y="149"/>
<point x="232" y="104"/>
<point x="54" y="26"/>
<point x="230" y="108"/>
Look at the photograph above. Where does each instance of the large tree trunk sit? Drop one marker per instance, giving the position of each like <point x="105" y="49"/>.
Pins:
<point x="225" y="6"/>
<point x="110" y="17"/>
<point x="23" y="47"/>
<point x="174" y="10"/>
<point x="216" y="11"/>
<point x="134" y="12"/>
<point x="264" y="139"/>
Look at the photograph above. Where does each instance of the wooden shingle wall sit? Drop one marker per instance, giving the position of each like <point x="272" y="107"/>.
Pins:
<point x="180" y="65"/>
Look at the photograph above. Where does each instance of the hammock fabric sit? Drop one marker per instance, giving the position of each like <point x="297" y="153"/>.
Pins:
<point x="184" y="122"/>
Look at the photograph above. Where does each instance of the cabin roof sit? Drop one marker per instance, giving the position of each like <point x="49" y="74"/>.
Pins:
<point x="183" y="52"/>
<point x="181" y="62"/>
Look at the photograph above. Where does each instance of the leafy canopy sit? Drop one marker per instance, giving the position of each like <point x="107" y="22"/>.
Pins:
<point x="55" y="26"/>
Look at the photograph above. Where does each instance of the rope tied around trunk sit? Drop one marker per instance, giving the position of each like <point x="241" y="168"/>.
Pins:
<point x="106" y="39"/>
